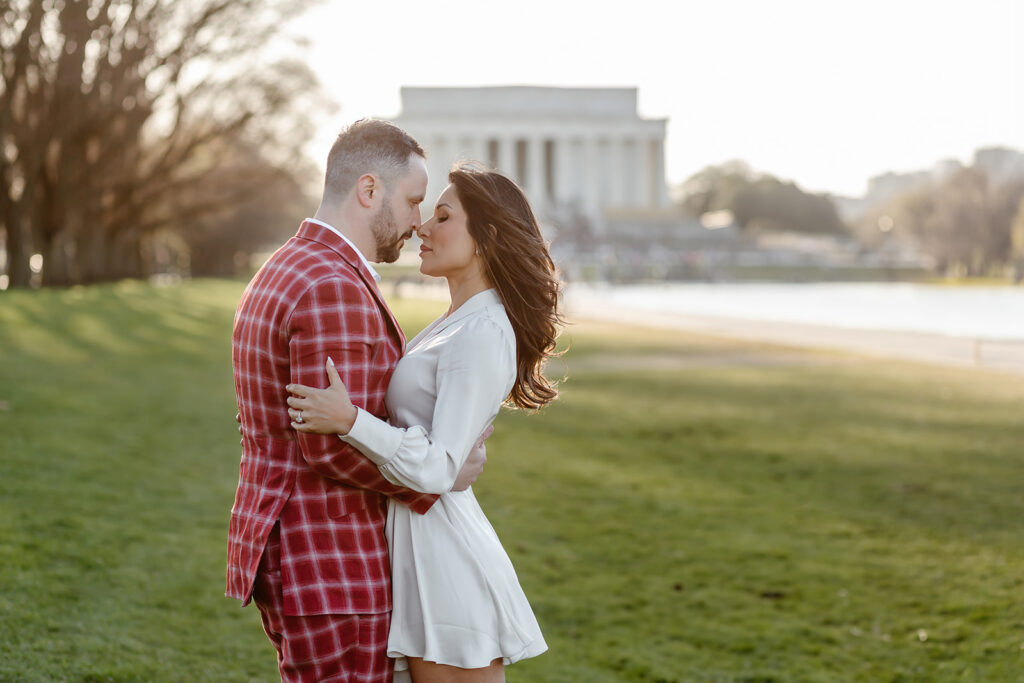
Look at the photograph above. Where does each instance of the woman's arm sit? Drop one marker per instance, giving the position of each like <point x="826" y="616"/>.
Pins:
<point x="475" y="373"/>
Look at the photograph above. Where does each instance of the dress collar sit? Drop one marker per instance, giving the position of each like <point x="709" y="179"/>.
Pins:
<point x="479" y="301"/>
<point x="488" y="297"/>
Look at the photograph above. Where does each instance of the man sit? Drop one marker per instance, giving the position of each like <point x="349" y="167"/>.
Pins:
<point x="306" y="539"/>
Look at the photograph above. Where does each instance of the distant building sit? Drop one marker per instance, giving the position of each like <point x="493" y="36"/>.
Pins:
<point x="886" y="186"/>
<point x="577" y="152"/>
<point x="1000" y="164"/>
<point x="882" y="188"/>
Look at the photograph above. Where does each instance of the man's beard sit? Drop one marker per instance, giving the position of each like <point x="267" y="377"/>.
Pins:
<point x="383" y="228"/>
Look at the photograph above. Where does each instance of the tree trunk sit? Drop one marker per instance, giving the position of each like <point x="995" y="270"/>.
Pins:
<point x="57" y="263"/>
<point x="90" y="257"/>
<point x="125" y="256"/>
<point x="18" y="252"/>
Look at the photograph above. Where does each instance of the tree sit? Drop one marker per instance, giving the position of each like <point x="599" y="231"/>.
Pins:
<point x="1017" y="242"/>
<point x="220" y="241"/>
<point x="1005" y="204"/>
<point x="714" y="188"/>
<point x="759" y="201"/>
<point x="114" y="112"/>
<point x="776" y="205"/>
<point x="964" y="222"/>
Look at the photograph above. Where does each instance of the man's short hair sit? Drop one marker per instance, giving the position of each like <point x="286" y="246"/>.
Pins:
<point x="368" y="146"/>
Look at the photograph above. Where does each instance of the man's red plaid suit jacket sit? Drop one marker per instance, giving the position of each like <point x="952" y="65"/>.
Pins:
<point x="313" y="298"/>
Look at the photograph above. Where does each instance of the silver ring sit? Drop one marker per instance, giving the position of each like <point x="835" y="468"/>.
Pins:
<point x="298" y="418"/>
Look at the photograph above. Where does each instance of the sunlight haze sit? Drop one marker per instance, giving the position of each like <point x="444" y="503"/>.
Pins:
<point x="826" y="94"/>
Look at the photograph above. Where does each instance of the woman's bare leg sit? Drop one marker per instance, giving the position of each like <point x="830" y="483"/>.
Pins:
<point x="431" y="672"/>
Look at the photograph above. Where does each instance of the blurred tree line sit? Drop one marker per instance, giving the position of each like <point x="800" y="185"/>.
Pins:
<point x="969" y="224"/>
<point x="142" y="136"/>
<point x="759" y="201"/>
<point x="966" y="222"/>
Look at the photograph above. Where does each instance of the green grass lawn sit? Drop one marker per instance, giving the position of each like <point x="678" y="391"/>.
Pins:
<point x="690" y="510"/>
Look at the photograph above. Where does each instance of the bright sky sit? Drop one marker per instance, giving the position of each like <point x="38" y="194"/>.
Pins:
<point x="823" y="93"/>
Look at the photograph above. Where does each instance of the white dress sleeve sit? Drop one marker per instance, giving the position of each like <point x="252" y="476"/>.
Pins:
<point x="475" y="372"/>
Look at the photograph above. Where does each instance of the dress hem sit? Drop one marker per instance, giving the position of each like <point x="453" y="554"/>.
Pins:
<point x="529" y="651"/>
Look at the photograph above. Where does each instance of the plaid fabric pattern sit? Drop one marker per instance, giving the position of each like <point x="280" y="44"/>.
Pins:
<point x="346" y="648"/>
<point x="312" y="299"/>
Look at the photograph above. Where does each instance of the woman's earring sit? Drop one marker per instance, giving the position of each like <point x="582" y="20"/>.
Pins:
<point x="477" y="252"/>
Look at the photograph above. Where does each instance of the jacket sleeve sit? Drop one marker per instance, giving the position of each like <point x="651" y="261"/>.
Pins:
<point x="340" y="319"/>
<point x="475" y="372"/>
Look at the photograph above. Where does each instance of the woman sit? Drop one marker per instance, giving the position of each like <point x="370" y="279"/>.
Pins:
<point x="459" y="612"/>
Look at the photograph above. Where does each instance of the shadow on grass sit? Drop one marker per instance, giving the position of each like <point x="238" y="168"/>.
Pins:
<point x="129" y="319"/>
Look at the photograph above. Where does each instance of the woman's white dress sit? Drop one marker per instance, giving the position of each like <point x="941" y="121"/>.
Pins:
<point x="456" y="597"/>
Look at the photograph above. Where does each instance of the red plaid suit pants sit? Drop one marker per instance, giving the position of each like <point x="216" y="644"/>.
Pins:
<point x="340" y="648"/>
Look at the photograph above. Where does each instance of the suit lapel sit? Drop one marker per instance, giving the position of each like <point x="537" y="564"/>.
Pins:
<point x="371" y="284"/>
<point x="326" y="237"/>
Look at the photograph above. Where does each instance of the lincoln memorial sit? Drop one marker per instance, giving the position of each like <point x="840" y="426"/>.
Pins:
<point x="575" y="151"/>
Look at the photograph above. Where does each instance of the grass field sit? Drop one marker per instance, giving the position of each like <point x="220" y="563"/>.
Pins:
<point x="690" y="510"/>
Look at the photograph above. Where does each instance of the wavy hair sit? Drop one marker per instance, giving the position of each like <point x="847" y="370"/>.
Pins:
<point x="518" y="265"/>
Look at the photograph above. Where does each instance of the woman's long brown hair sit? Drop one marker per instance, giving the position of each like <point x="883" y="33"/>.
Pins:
<point x="518" y="265"/>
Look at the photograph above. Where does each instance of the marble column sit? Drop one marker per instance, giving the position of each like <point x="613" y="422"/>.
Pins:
<point x="564" y="169"/>
<point x="592" y="181"/>
<point x="507" y="156"/>
<point x="659" y="189"/>
<point x="535" y="183"/>
<point x="476" y="149"/>
<point x="462" y="149"/>
<point x="438" y="161"/>
<point x="618" y="168"/>
<point x="634" y="173"/>
<point x="644" y="198"/>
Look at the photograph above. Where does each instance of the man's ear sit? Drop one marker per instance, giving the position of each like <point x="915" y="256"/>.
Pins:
<point x="368" y="189"/>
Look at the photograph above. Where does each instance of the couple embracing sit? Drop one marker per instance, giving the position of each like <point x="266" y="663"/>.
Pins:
<point x="356" y="444"/>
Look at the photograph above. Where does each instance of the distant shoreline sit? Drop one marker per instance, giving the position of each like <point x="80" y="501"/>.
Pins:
<point x="599" y="302"/>
<point x="928" y="346"/>
<point x="975" y="312"/>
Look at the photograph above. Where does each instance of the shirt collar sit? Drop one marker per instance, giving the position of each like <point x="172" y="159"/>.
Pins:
<point x="488" y="297"/>
<point x="374" y="273"/>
